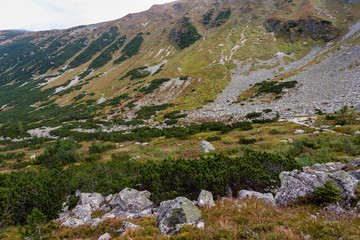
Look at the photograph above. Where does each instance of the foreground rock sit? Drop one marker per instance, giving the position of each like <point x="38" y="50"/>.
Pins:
<point x="297" y="184"/>
<point x="174" y="214"/>
<point x="266" y="197"/>
<point x="129" y="204"/>
<point x="127" y="225"/>
<point x="106" y="236"/>
<point x="206" y="146"/>
<point x="206" y="199"/>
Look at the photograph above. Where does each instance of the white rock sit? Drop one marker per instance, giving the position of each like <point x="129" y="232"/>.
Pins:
<point x="206" y="146"/>
<point x="206" y="199"/>
<point x="267" y="197"/>
<point x="299" y="131"/>
<point x="106" y="236"/>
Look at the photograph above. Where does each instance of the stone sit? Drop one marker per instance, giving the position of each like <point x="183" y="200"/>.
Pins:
<point x="325" y="127"/>
<point x="316" y="132"/>
<point x="200" y="225"/>
<point x="205" y="199"/>
<point x="334" y="209"/>
<point x="357" y="132"/>
<point x="82" y="211"/>
<point x="106" y="236"/>
<point x="266" y="197"/>
<point x="94" y="199"/>
<point x="299" y="131"/>
<point x="174" y="214"/>
<point x="127" y="225"/>
<point x="72" y="222"/>
<point x="206" y="147"/>
<point x="297" y="184"/>
<point x="134" y="201"/>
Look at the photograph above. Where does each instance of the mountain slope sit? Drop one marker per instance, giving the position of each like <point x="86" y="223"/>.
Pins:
<point x="188" y="54"/>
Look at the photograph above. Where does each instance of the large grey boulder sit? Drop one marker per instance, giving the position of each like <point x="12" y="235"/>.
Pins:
<point x="266" y="197"/>
<point x="174" y="214"/>
<point x="132" y="201"/>
<point x="82" y="211"/>
<point x="206" y="147"/>
<point x="94" y="199"/>
<point x="296" y="184"/>
<point x="206" y="199"/>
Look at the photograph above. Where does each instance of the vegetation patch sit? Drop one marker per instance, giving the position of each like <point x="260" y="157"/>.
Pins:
<point x="96" y="46"/>
<point x="186" y="35"/>
<point x="136" y="73"/>
<point x="131" y="49"/>
<point x="154" y="84"/>
<point x="274" y="87"/>
<point x="147" y="111"/>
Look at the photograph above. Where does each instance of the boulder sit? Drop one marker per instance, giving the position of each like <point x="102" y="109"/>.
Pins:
<point x="127" y="225"/>
<point x="106" y="236"/>
<point x="334" y="209"/>
<point x="206" y="147"/>
<point x="82" y="211"/>
<point x="296" y="184"/>
<point x="299" y="131"/>
<point x="73" y="222"/>
<point x="94" y="199"/>
<point x="134" y="201"/>
<point x="174" y="214"/>
<point x="205" y="199"/>
<point x="266" y="197"/>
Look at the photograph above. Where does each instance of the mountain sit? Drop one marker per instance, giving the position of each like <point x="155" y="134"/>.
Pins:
<point x="210" y="59"/>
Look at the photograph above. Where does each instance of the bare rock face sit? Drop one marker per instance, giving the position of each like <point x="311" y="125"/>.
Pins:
<point x="174" y="214"/>
<point x="296" y="184"/>
<point x="206" y="199"/>
<point x="266" y="197"/>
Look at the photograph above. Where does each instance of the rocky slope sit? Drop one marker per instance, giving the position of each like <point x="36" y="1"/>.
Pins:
<point x="189" y="54"/>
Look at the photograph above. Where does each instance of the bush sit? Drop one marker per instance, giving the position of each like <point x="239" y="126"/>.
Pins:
<point x="62" y="152"/>
<point x="171" y="121"/>
<point x="253" y="115"/>
<point x="212" y="139"/>
<point x="243" y="126"/>
<point x="100" y="147"/>
<point x="247" y="141"/>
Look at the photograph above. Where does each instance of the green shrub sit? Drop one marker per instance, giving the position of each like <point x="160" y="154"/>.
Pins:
<point x="212" y="139"/>
<point x="171" y="121"/>
<point x="253" y="115"/>
<point x="243" y="126"/>
<point x="136" y="73"/>
<point x="62" y="152"/>
<point x="329" y="193"/>
<point x="274" y="87"/>
<point x="131" y="49"/>
<point x="97" y="147"/>
<point x="246" y="141"/>
<point x="187" y="35"/>
<point x="154" y="84"/>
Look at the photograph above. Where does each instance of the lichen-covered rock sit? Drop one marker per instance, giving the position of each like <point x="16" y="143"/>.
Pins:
<point x="206" y="146"/>
<point x="334" y="209"/>
<point x="82" y="211"/>
<point x="297" y="184"/>
<point x="134" y="201"/>
<point x="174" y="214"/>
<point x="205" y="199"/>
<point x="266" y="197"/>
<point x="94" y="199"/>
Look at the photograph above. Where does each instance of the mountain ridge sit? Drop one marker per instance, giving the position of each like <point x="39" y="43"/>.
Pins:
<point x="201" y="42"/>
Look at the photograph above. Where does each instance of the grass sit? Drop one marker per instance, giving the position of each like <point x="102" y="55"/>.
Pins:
<point x="247" y="219"/>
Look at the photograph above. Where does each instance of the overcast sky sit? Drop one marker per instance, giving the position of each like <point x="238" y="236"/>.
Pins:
<point x="59" y="14"/>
